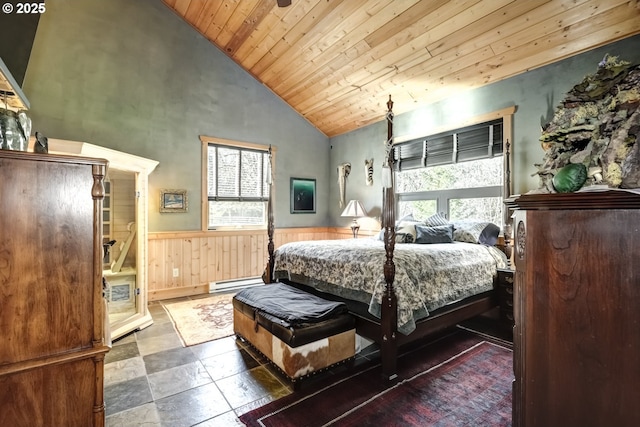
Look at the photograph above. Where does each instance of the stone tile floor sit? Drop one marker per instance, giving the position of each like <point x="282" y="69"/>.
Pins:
<point x="152" y="380"/>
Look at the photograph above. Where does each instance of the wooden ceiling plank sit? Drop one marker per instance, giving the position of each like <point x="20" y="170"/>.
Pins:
<point x="447" y="89"/>
<point x="419" y="96"/>
<point x="261" y="38"/>
<point x="465" y="50"/>
<point x="584" y="12"/>
<point x="346" y="90"/>
<point x="334" y="118"/>
<point x="220" y="19"/>
<point x="459" y="23"/>
<point x="496" y="19"/>
<point x="309" y="104"/>
<point x="512" y="26"/>
<point x="347" y="105"/>
<point x="356" y="27"/>
<point x="170" y="3"/>
<point x="408" y="39"/>
<point x="517" y="60"/>
<point x="355" y="75"/>
<point x="324" y="53"/>
<point x="362" y="75"/>
<point x="249" y="25"/>
<point x="334" y="22"/>
<point x="181" y="6"/>
<point x="617" y="24"/>
<point x="411" y="39"/>
<point x="296" y="31"/>
<point x="404" y="20"/>
<point x="458" y="55"/>
<point x="208" y="12"/>
<point x="438" y="64"/>
<point x="270" y="35"/>
<point x="235" y="22"/>
<point x="194" y="10"/>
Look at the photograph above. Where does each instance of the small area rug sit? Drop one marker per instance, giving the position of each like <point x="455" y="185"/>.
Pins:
<point x="202" y="320"/>
<point x="459" y="380"/>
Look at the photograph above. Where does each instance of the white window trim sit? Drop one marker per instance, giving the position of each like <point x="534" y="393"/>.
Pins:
<point x="206" y="140"/>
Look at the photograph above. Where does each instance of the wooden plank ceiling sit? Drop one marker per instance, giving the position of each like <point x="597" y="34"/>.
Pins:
<point x="337" y="61"/>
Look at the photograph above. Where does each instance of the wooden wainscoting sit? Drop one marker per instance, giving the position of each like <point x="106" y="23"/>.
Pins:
<point x="201" y="257"/>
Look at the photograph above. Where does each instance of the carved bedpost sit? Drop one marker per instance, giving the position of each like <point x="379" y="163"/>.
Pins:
<point x="267" y="277"/>
<point x="508" y="248"/>
<point x="389" y="314"/>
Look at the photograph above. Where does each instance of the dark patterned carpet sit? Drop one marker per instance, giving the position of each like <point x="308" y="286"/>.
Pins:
<point x="458" y="380"/>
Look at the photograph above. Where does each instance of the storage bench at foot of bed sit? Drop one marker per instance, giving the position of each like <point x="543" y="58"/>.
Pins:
<point x="298" y="332"/>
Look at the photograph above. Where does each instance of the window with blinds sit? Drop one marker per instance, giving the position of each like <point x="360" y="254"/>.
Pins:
<point x="236" y="186"/>
<point x="475" y="142"/>
<point x="458" y="173"/>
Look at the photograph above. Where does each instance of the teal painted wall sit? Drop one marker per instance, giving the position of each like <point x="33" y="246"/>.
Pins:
<point x="132" y="76"/>
<point x="535" y="93"/>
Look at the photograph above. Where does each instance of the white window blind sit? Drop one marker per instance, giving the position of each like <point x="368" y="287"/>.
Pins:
<point x="237" y="174"/>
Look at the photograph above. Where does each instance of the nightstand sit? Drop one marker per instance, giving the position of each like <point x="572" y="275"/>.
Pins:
<point x="505" y="297"/>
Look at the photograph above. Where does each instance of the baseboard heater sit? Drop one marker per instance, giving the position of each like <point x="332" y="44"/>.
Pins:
<point x="226" y="285"/>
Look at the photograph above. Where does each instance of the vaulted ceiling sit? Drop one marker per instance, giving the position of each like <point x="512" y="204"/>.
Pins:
<point x="337" y="61"/>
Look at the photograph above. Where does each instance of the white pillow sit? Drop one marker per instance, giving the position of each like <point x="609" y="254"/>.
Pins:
<point x="435" y="220"/>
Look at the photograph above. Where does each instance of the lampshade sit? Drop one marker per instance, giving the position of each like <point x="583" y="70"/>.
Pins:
<point x="354" y="209"/>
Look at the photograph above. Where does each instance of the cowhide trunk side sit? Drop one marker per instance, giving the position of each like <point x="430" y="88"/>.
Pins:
<point x="299" y="361"/>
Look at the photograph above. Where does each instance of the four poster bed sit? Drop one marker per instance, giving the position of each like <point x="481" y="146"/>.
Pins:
<point x="423" y="288"/>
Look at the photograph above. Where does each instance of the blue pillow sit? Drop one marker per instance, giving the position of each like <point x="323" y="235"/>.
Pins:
<point x="436" y="234"/>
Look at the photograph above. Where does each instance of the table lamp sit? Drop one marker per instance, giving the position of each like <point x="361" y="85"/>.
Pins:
<point x="354" y="210"/>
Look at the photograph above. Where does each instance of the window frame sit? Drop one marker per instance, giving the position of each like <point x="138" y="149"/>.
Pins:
<point x="442" y="197"/>
<point x="206" y="141"/>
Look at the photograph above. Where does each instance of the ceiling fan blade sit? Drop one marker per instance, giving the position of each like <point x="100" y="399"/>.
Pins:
<point x="284" y="3"/>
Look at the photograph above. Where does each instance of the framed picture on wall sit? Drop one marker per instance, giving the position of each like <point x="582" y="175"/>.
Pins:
<point x="173" y="200"/>
<point x="303" y="195"/>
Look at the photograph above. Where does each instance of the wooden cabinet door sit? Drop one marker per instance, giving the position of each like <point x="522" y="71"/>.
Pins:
<point x="51" y="307"/>
<point x="578" y="297"/>
<point x="46" y="259"/>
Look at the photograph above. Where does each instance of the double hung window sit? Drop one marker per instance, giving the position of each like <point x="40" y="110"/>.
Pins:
<point x="237" y="189"/>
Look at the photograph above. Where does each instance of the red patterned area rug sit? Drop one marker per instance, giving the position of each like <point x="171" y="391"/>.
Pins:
<point x="459" y="380"/>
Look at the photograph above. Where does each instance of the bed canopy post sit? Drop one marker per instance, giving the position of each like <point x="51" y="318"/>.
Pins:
<point x="508" y="248"/>
<point x="267" y="277"/>
<point x="389" y="313"/>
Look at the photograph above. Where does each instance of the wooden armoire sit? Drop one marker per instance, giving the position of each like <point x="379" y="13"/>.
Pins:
<point x="52" y="343"/>
<point x="577" y="309"/>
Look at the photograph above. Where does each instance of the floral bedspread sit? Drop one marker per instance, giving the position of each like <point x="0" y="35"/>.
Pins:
<point x="427" y="276"/>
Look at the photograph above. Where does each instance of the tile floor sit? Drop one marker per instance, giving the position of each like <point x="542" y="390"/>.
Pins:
<point x="152" y="380"/>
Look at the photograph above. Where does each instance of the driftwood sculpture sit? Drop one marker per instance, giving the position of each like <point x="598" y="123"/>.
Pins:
<point x="597" y="125"/>
<point x="344" y="169"/>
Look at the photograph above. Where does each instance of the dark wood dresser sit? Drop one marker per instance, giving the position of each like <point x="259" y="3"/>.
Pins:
<point x="577" y="309"/>
<point x="52" y="346"/>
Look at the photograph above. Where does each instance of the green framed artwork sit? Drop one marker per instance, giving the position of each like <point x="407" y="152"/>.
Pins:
<point x="303" y="195"/>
